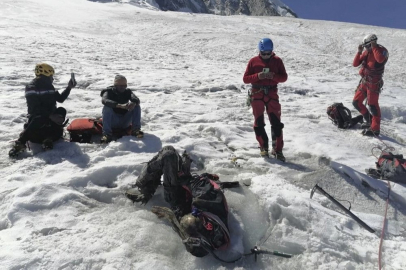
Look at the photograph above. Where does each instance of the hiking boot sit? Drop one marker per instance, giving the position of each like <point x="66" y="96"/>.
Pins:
<point x="278" y="155"/>
<point x="18" y="148"/>
<point x="365" y="125"/>
<point x="137" y="133"/>
<point x="47" y="144"/>
<point x="135" y="195"/>
<point x="371" y="133"/>
<point x="373" y="173"/>
<point x="105" y="139"/>
<point x="264" y="152"/>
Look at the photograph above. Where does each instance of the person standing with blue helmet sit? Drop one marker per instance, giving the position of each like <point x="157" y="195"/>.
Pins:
<point x="264" y="72"/>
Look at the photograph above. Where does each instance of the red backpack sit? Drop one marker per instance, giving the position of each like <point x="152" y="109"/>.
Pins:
<point x="82" y="129"/>
<point x="390" y="167"/>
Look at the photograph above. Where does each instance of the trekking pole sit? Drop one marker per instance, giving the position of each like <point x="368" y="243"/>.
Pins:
<point x="357" y="219"/>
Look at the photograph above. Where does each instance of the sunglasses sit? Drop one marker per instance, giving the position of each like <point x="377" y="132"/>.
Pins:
<point x="266" y="53"/>
<point x="121" y="87"/>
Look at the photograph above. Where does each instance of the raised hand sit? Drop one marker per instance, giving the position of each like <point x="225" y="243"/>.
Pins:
<point x="72" y="83"/>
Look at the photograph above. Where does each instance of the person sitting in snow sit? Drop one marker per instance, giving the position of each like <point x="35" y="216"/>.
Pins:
<point x="121" y="108"/>
<point x="264" y="72"/>
<point x="45" y="120"/>
<point x="198" y="213"/>
<point x="372" y="62"/>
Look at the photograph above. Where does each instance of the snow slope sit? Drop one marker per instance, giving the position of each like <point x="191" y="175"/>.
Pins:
<point x="65" y="209"/>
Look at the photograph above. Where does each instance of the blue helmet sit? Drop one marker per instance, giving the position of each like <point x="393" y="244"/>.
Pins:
<point x="265" y="44"/>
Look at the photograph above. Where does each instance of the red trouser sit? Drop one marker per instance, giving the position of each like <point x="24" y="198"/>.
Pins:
<point x="370" y="91"/>
<point x="269" y="102"/>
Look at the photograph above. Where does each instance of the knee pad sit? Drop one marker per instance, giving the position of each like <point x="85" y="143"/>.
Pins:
<point x="355" y="104"/>
<point x="374" y="110"/>
<point x="259" y="122"/>
<point x="259" y="131"/>
<point x="277" y="125"/>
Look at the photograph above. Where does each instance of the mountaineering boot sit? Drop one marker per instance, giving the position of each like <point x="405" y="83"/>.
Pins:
<point x="365" y="125"/>
<point x="137" y="195"/>
<point x="278" y="155"/>
<point x="373" y="173"/>
<point x="106" y="139"/>
<point x="367" y="118"/>
<point x="137" y="133"/>
<point x="18" y="148"/>
<point x="264" y="152"/>
<point x="47" y="144"/>
<point x="371" y="133"/>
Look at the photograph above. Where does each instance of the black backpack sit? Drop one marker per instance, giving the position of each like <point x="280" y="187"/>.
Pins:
<point x="208" y="196"/>
<point x="209" y="202"/>
<point x="341" y="116"/>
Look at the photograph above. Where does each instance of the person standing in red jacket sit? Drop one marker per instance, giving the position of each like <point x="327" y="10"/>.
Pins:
<point x="264" y="72"/>
<point x="372" y="61"/>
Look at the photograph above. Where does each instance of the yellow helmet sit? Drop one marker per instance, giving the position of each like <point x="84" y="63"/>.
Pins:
<point x="44" y="69"/>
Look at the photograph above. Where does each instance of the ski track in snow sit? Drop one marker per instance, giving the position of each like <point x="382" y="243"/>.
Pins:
<point x="65" y="209"/>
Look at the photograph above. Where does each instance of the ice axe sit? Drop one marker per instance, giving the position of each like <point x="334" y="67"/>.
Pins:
<point x="342" y="207"/>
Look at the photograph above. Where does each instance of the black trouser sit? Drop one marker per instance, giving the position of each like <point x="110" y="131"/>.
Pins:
<point x="167" y="163"/>
<point x="39" y="127"/>
<point x="33" y="126"/>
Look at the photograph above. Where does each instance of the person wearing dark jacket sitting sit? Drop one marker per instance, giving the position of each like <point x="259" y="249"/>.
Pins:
<point x="121" y="108"/>
<point x="198" y="208"/>
<point x="45" y="120"/>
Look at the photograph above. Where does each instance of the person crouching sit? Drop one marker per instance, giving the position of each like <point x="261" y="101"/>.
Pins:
<point x="121" y="108"/>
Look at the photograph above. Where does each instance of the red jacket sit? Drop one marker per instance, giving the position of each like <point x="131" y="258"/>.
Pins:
<point x="256" y="65"/>
<point x="373" y="63"/>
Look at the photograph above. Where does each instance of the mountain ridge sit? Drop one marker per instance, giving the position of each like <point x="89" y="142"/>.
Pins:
<point x="221" y="7"/>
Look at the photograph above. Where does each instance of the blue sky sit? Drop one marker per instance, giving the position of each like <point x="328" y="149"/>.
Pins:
<point x="387" y="13"/>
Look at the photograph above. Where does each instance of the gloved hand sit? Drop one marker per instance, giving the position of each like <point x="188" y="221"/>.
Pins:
<point x="71" y="83"/>
<point x="262" y="75"/>
<point x="360" y="48"/>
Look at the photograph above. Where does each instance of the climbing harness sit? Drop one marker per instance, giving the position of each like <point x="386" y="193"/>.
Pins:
<point x="260" y="88"/>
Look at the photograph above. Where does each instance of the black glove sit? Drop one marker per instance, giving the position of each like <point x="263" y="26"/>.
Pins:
<point x="72" y="83"/>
